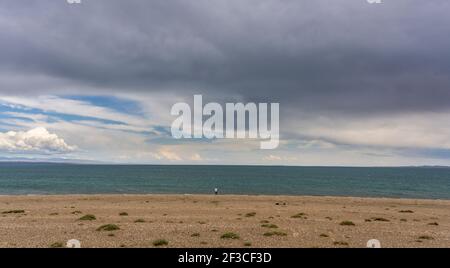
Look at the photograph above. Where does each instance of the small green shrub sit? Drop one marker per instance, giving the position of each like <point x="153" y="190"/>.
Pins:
<point x="406" y="211"/>
<point x="300" y="215"/>
<point x="340" y="243"/>
<point x="426" y="237"/>
<point x="269" y="226"/>
<point x="380" y="219"/>
<point x="16" y="211"/>
<point x="108" y="227"/>
<point x="230" y="236"/>
<point x="160" y="242"/>
<point x="347" y="223"/>
<point x="57" y="245"/>
<point x="88" y="217"/>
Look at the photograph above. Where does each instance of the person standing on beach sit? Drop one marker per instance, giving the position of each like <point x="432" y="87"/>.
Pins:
<point x="216" y="191"/>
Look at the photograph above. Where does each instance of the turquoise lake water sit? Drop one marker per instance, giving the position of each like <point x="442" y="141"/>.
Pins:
<point x="407" y="182"/>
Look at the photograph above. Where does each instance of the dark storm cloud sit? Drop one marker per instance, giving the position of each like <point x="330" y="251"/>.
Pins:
<point x="341" y="55"/>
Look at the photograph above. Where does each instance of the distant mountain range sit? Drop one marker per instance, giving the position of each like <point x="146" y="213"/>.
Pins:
<point x="19" y="160"/>
<point x="48" y="160"/>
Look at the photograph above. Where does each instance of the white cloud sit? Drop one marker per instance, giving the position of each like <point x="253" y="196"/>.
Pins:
<point x="285" y="159"/>
<point x="37" y="140"/>
<point x="196" y="157"/>
<point x="324" y="139"/>
<point x="155" y="111"/>
<point x="167" y="154"/>
<point x="426" y="130"/>
<point x="69" y="106"/>
<point x="272" y="158"/>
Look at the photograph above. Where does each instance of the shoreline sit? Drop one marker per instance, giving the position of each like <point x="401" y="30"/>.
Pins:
<point x="200" y="220"/>
<point x="229" y="195"/>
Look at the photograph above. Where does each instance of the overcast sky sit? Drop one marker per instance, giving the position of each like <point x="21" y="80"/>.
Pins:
<point x="358" y="83"/>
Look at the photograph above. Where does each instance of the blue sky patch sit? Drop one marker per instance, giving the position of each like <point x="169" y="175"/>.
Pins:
<point x="114" y="103"/>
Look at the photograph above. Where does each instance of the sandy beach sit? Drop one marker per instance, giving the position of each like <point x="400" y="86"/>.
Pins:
<point x="221" y="221"/>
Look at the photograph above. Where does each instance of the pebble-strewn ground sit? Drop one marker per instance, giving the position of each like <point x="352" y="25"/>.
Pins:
<point x="202" y="220"/>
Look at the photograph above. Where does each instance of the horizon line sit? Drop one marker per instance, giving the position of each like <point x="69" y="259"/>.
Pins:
<point x="242" y="165"/>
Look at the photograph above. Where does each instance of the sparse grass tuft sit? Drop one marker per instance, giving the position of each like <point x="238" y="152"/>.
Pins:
<point x="88" y="217"/>
<point x="123" y="214"/>
<point x="404" y="220"/>
<point x="108" y="227"/>
<point x="264" y="221"/>
<point x="380" y="219"/>
<point x="53" y="214"/>
<point x="340" y="243"/>
<point x="57" y="245"/>
<point x="229" y="236"/>
<point x="195" y="235"/>
<point x="324" y="235"/>
<point x="426" y="237"/>
<point x="300" y="215"/>
<point x="269" y="226"/>
<point x="139" y="221"/>
<point x="160" y="242"/>
<point x="275" y="233"/>
<point x="251" y="214"/>
<point x="16" y="211"/>
<point x="247" y="244"/>
<point x="406" y="211"/>
<point x="347" y="223"/>
<point x="433" y="223"/>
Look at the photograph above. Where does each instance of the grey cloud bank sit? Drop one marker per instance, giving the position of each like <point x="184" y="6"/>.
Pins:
<point x="343" y="55"/>
<point x="341" y="65"/>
